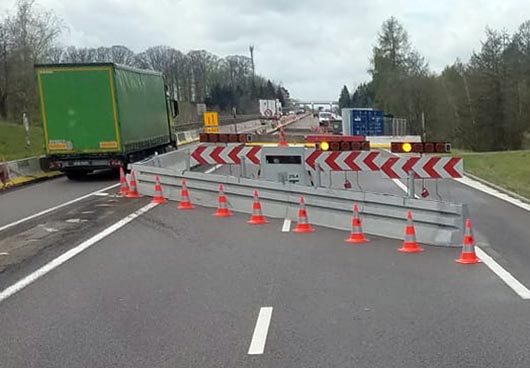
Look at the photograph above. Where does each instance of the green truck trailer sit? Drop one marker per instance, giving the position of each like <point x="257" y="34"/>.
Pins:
<point x="100" y="116"/>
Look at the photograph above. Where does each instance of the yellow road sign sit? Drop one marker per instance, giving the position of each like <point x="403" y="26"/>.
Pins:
<point x="211" y="130"/>
<point x="210" y="119"/>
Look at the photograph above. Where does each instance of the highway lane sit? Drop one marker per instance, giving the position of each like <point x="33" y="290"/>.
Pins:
<point x="27" y="200"/>
<point x="177" y="289"/>
<point x="27" y="246"/>
<point x="503" y="229"/>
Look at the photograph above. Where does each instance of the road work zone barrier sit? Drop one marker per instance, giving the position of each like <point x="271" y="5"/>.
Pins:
<point x="426" y="167"/>
<point x="436" y="222"/>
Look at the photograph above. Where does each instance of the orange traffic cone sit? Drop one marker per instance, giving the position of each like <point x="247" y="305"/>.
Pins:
<point x="356" y="235"/>
<point x="124" y="188"/>
<point x="257" y="217"/>
<point x="158" y="197"/>
<point x="133" y="190"/>
<point x="283" y="141"/>
<point x="185" y="203"/>
<point x="222" y="208"/>
<point x="410" y="245"/>
<point x="303" y="225"/>
<point x="468" y="255"/>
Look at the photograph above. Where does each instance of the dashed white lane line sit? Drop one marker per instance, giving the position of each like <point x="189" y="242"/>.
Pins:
<point x="56" y="207"/>
<point x="21" y="284"/>
<point x="286" y="226"/>
<point x="496" y="268"/>
<point x="259" y="338"/>
<point x="504" y="275"/>
<point x="212" y="169"/>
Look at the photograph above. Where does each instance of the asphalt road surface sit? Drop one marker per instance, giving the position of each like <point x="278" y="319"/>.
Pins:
<point x="187" y="289"/>
<point x="184" y="289"/>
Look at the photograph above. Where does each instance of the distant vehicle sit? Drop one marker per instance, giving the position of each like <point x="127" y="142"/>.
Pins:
<point x="102" y="116"/>
<point x="300" y="112"/>
<point x="291" y="112"/>
<point x="324" y="118"/>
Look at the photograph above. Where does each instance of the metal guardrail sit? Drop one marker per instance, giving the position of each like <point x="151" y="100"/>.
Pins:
<point x="437" y="223"/>
<point x="223" y="120"/>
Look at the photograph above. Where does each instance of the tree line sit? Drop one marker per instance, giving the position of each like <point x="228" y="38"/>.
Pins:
<point x="30" y="35"/>
<point x="482" y="104"/>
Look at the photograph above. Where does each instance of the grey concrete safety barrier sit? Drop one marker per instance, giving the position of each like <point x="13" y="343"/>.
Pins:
<point x="24" y="167"/>
<point x="437" y="223"/>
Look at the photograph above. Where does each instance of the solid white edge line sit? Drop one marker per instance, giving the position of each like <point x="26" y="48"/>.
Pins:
<point x="496" y="268"/>
<point x="286" y="226"/>
<point x="4" y="227"/>
<point x="32" y="277"/>
<point x="259" y="338"/>
<point x="212" y="169"/>
<point x="492" y="192"/>
<point x="504" y="275"/>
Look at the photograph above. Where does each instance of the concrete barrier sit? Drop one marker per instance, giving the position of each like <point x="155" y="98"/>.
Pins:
<point x="437" y="223"/>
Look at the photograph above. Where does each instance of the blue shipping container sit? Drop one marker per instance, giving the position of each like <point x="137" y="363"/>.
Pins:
<point x="367" y="122"/>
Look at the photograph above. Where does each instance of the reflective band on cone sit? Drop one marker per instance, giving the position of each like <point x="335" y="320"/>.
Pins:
<point x="158" y="197"/>
<point x="185" y="202"/>
<point x="133" y="190"/>
<point x="303" y="225"/>
<point x="222" y="208"/>
<point x="124" y="188"/>
<point x="468" y="255"/>
<point x="410" y="245"/>
<point x="257" y="217"/>
<point x="356" y="235"/>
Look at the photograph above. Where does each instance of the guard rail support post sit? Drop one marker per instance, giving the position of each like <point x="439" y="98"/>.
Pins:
<point x="188" y="160"/>
<point x="243" y="167"/>
<point x="410" y="188"/>
<point x="318" y="179"/>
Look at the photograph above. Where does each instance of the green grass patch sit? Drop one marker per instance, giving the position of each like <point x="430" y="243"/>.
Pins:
<point x="510" y="169"/>
<point x="13" y="141"/>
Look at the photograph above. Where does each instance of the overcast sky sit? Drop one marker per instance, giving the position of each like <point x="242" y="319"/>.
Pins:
<point x="312" y="47"/>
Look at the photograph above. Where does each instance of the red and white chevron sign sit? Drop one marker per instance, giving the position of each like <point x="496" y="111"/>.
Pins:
<point x="423" y="167"/>
<point x="343" y="161"/>
<point x="229" y="155"/>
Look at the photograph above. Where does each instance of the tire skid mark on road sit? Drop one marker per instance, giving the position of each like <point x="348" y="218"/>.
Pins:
<point x="32" y="277"/>
<point x="51" y="209"/>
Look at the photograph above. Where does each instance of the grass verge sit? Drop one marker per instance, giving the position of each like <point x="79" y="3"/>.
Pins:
<point x="510" y="169"/>
<point x="13" y="141"/>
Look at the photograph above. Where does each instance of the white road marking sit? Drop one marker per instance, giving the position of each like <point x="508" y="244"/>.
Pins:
<point x="101" y="194"/>
<point x="76" y="220"/>
<point x="257" y="345"/>
<point x="212" y="169"/>
<point x="56" y="207"/>
<point x="4" y="254"/>
<point x="21" y="284"/>
<point x="286" y="226"/>
<point x="504" y="275"/>
<point x="493" y="192"/>
<point x="401" y="186"/>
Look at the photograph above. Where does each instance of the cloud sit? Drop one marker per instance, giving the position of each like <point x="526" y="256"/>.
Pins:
<point x="312" y="47"/>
